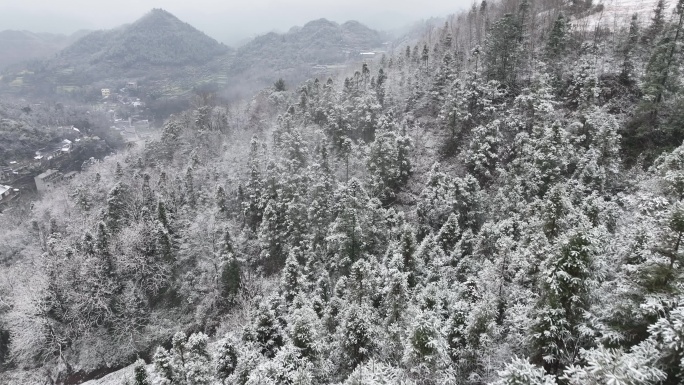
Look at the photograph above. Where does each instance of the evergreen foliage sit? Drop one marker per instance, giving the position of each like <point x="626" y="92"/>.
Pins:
<point x="470" y="215"/>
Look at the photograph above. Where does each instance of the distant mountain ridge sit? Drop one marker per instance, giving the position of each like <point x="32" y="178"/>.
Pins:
<point x="158" y="38"/>
<point x="21" y="46"/>
<point x="318" y="42"/>
<point x="170" y="58"/>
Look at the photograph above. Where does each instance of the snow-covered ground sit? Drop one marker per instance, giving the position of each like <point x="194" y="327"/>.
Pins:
<point x="116" y="378"/>
<point x="619" y="13"/>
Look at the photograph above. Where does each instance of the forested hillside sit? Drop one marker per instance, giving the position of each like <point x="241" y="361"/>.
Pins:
<point x="317" y="42"/>
<point x="499" y="203"/>
<point x="25" y="129"/>
<point x="292" y="55"/>
<point x="158" y="38"/>
<point x="170" y="61"/>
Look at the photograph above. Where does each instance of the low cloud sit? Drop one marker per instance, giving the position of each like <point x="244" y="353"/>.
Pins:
<point x="229" y="22"/>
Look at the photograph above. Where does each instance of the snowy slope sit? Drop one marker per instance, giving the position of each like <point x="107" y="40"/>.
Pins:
<point x="116" y="378"/>
<point x="619" y="12"/>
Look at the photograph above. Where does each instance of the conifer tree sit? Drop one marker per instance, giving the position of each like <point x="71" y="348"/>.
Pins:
<point x="291" y="276"/>
<point x="502" y="50"/>
<point x="227" y="359"/>
<point x="140" y="373"/>
<point x="231" y="278"/>
<point x="198" y="361"/>
<point x="470" y="104"/>
<point x="267" y="331"/>
<point x="662" y="71"/>
<point x="558" y="37"/>
<point x="583" y="89"/>
<point x="356" y="336"/>
<point x="117" y="207"/>
<point x="627" y="67"/>
<point x="449" y="234"/>
<point x="558" y="330"/>
<point x="425" y="56"/>
<point x="424" y="347"/>
<point x="272" y="236"/>
<point x="483" y="154"/>
<point x="221" y="203"/>
<point x="304" y="331"/>
<point x="189" y="192"/>
<point x="404" y="148"/>
<point x="395" y="291"/>
<point x="255" y="203"/>
<point x="147" y="193"/>
<point x="347" y="234"/>
<point x="435" y="204"/>
<point x="657" y="24"/>
<point x="406" y="250"/>
<point x="163" y="365"/>
<point x="521" y="372"/>
<point x="383" y="166"/>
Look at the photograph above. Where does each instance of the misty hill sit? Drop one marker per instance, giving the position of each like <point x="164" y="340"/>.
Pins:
<point x="317" y="42"/>
<point x="20" y="46"/>
<point x="158" y="38"/>
<point x="292" y="55"/>
<point x="170" y="59"/>
<point x="164" y="54"/>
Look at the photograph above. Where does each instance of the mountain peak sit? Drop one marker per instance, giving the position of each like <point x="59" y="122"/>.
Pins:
<point x="157" y="38"/>
<point x="158" y="17"/>
<point x="354" y="25"/>
<point x="159" y="12"/>
<point x="320" y="23"/>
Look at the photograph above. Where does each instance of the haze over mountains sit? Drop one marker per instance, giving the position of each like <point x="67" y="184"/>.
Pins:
<point x="20" y="46"/>
<point x="171" y="58"/>
<point x="231" y="22"/>
<point x="158" y="38"/>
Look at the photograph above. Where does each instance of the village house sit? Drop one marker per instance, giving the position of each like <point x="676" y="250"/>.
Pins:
<point x="54" y="151"/>
<point x="6" y="172"/>
<point x="70" y="175"/>
<point x="5" y="192"/>
<point x="46" y="181"/>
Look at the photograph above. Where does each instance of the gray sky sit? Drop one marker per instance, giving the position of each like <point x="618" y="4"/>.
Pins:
<point x="225" y="20"/>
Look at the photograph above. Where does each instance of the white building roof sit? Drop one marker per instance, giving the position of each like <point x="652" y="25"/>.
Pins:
<point x="46" y="174"/>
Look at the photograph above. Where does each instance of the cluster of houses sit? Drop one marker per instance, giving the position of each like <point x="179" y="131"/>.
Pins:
<point x="48" y="160"/>
<point x="20" y="173"/>
<point x="7" y="193"/>
<point x="132" y="130"/>
<point x="353" y="56"/>
<point x="45" y="181"/>
<point x="54" y="151"/>
<point x="123" y="96"/>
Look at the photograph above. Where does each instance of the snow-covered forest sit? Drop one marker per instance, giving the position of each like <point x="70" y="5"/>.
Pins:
<point x="499" y="203"/>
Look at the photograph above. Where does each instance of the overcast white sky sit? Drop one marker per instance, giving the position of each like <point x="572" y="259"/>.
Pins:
<point x="225" y="20"/>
